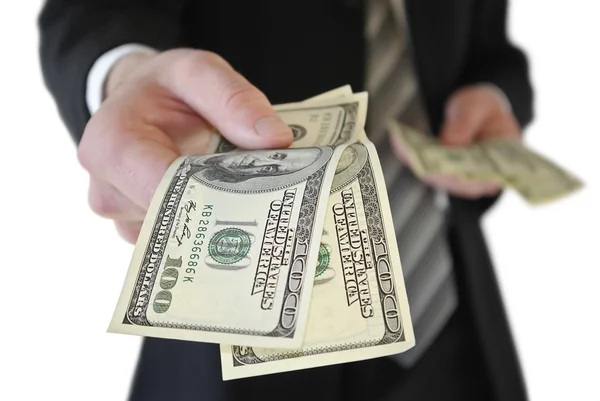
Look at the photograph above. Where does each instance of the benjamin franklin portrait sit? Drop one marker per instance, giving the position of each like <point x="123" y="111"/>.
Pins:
<point x="352" y="161"/>
<point x="259" y="171"/>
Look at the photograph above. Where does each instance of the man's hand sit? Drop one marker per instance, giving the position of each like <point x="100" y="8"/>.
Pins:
<point x="473" y="113"/>
<point x="157" y="108"/>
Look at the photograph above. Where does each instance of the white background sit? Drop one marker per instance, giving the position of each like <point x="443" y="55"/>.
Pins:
<point x="63" y="267"/>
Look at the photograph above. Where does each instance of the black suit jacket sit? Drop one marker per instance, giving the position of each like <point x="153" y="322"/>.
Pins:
<point x="292" y="50"/>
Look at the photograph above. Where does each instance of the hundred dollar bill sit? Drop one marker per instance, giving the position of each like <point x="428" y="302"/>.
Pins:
<point x="229" y="249"/>
<point x="508" y="162"/>
<point x="428" y="157"/>
<point x="359" y="307"/>
<point x="206" y="269"/>
<point x="341" y="91"/>
<point x="532" y="175"/>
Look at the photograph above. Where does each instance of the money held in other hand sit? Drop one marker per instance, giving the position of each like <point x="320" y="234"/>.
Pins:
<point x="508" y="162"/>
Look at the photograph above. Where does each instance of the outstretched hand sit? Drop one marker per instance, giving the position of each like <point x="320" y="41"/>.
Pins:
<point x="157" y="108"/>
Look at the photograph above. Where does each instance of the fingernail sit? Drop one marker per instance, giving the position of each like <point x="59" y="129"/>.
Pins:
<point x="272" y="127"/>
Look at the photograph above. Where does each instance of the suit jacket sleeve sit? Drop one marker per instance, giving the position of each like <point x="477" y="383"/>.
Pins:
<point x="75" y="33"/>
<point x="493" y="58"/>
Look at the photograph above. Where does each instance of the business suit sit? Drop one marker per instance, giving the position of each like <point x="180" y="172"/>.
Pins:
<point x="319" y="45"/>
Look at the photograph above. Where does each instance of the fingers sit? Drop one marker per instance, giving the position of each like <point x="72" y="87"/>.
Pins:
<point x="227" y="100"/>
<point x="451" y="184"/>
<point x="129" y="230"/>
<point x="464" y="117"/>
<point x="133" y="160"/>
<point x="399" y="150"/>
<point x="478" y="112"/>
<point x="464" y="189"/>
<point x="108" y="202"/>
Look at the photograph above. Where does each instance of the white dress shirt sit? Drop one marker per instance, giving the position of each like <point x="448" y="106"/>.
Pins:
<point x="102" y="67"/>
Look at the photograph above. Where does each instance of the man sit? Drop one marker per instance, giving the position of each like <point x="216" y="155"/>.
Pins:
<point x="135" y="94"/>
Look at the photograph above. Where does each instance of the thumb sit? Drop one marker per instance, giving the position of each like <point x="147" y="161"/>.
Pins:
<point x="464" y="117"/>
<point x="242" y="113"/>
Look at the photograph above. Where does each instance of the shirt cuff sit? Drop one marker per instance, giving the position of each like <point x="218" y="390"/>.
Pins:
<point x="98" y="73"/>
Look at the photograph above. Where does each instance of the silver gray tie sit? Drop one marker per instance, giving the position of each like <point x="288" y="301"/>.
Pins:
<point x="418" y="218"/>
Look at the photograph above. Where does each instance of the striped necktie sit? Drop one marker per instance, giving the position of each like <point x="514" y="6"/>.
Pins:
<point x="419" y="219"/>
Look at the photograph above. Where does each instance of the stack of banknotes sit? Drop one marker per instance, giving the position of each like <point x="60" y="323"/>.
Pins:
<point x="508" y="162"/>
<point x="287" y="258"/>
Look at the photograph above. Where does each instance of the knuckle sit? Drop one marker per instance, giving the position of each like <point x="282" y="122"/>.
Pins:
<point x="128" y="231"/>
<point x="471" y="193"/>
<point x="101" y="204"/>
<point x="238" y="92"/>
<point x="209" y="58"/>
<point x="107" y="201"/>
<point x="83" y="158"/>
<point x="188" y="64"/>
<point x="85" y="155"/>
<point x="100" y="143"/>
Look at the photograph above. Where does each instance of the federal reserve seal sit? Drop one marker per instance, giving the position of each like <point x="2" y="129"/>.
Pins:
<point x="323" y="259"/>
<point x="229" y="246"/>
